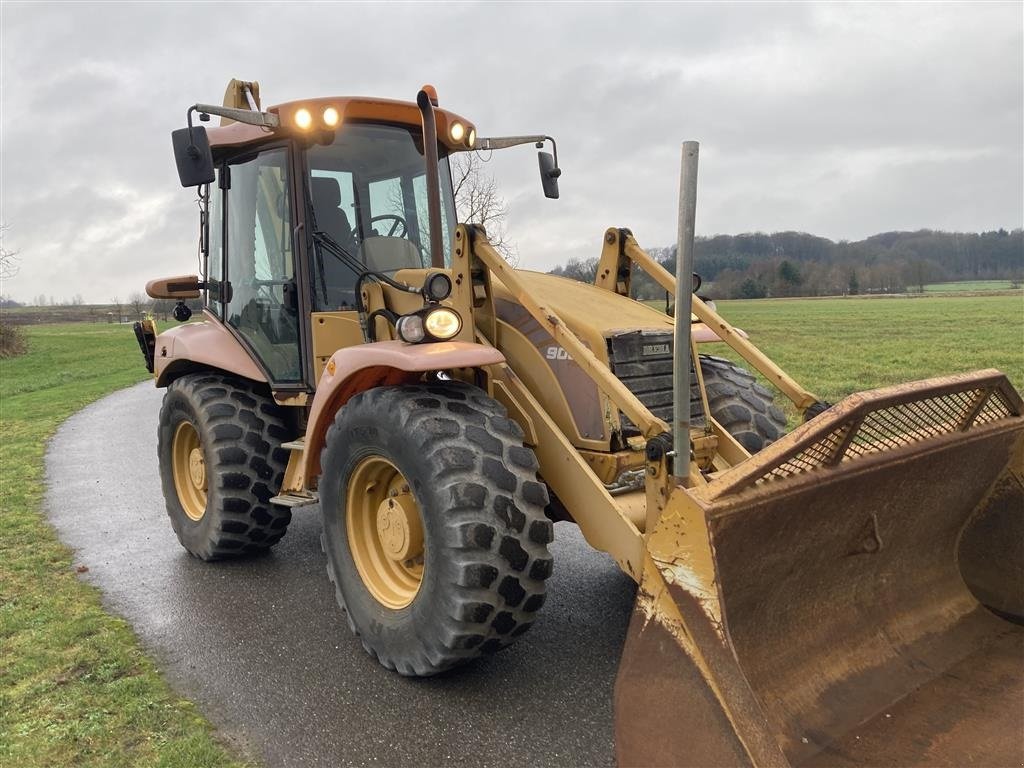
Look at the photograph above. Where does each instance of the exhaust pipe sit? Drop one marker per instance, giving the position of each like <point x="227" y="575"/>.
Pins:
<point x="423" y="101"/>
<point x="684" y="283"/>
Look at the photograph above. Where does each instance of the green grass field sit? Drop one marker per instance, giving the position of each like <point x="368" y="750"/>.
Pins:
<point x="75" y="687"/>
<point x="837" y="347"/>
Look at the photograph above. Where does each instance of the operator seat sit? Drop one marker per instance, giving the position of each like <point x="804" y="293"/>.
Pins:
<point x="338" y="279"/>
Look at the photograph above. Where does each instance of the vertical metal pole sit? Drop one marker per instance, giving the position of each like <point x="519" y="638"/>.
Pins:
<point x="433" y="182"/>
<point x="684" y="286"/>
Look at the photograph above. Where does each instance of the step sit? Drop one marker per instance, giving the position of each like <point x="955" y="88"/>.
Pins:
<point x="294" y="499"/>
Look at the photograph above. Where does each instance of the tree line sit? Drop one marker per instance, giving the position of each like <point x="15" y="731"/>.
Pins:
<point x="759" y="265"/>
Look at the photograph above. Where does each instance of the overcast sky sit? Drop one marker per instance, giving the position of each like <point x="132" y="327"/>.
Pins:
<point x="839" y="120"/>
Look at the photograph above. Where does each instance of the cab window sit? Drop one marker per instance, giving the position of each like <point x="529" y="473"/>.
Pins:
<point x="368" y="193"/>
<point x="259" y="295"/>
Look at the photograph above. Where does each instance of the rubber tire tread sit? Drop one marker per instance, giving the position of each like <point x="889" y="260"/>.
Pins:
<point x="485" y="529"/>
<point x="743" y="407"/>
<point x="241" y="430"/>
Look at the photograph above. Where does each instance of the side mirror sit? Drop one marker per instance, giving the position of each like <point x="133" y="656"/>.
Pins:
<point x="193" y="156"/>
<point x="549" y="174"/>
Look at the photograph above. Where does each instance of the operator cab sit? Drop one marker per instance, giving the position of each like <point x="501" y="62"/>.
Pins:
<point x="304" y="203"/>
<point x="284" y="202"/>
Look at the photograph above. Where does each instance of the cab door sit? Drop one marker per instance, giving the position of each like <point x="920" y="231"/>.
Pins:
<point x="259" y="294"/>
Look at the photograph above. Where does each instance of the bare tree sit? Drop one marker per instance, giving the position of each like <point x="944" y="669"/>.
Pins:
<point x="161" y="308"/>
<point x="116" y="301"/>
<point x="478" y="201"/>
<point x="139" y="304"/>
<point x="9" y="265"/>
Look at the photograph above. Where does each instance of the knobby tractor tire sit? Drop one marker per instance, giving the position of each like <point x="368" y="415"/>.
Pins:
<point x="485" y="536"/>
<point x="220" y="464"/>
<point x="742" y="406"/>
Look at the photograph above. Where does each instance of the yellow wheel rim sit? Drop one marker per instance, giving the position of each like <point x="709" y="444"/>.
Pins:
<point x="189" y="468"/>
<point x="385" y="532"/>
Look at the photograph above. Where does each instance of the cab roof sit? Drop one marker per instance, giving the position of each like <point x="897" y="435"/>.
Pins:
<point x="350" y="108"/>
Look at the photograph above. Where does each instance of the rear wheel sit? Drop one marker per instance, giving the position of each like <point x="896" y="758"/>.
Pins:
<point x="434" y="525"/>
<point x="744" y="408"/>
<point x="220" y="463"/>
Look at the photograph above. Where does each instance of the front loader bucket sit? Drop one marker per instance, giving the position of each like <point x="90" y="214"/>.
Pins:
<point x="851" y="595"/>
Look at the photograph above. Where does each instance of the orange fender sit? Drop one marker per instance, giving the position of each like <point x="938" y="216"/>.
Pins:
<point x="197" y="346"/>
<point x="382" y="363"/>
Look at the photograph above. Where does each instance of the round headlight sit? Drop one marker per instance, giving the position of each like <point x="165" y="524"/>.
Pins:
<point x="410" y="329"/>
<point x="457" y="131"/>
<point x="331" y="117"/>
<point x="442" y="323"/>
<point x="438" y="286"/>
<point x="471" y="140"/>
<point x="303" y="118"/>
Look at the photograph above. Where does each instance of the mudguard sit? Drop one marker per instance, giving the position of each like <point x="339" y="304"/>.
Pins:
<point x="382" y="363"/>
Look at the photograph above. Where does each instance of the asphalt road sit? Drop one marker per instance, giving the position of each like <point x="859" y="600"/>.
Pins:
<point x="262" y="648"/>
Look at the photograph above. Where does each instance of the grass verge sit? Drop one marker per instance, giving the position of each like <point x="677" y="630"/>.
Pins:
<point x="76" y="689"/>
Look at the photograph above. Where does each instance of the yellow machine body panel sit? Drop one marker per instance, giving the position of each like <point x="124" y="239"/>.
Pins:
<point x="583" y="412"/>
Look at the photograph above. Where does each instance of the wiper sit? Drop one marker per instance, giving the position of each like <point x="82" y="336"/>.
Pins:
<point x="345" y="257"/>
<point x="340" y="252"/>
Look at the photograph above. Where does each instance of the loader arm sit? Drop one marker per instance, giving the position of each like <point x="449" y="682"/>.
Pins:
<point x="621" y="250"/>
<point x="624" y="399"/>
<point x="889" y="514"/>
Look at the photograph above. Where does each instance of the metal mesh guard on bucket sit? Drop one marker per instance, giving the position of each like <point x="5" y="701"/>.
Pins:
<point x="885" y="420"/>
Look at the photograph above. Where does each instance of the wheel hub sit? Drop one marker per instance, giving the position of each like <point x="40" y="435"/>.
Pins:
<point x="197" y="468"/>
<point x="399" y="528"/>
<point x="188" y="467"/>
<point x="385" y="532"/>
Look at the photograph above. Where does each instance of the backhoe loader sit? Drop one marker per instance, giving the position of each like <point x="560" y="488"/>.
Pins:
<point x="849" y="593"/>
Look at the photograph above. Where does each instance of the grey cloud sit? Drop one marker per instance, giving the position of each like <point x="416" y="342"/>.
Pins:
<point x="841" y="120"/>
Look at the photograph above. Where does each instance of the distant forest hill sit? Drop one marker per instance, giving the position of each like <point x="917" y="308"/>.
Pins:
<point x="758" y="265"/>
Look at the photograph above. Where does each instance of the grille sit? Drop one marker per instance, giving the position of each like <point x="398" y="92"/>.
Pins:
<point x="642" y="360"/>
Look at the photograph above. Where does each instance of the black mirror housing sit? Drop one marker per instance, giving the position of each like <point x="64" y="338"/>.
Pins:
<point x="549" y="174"/>
<point x="193" y="155"/>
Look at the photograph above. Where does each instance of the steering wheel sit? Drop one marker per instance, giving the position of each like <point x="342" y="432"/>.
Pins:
<point x="397" y="222"/>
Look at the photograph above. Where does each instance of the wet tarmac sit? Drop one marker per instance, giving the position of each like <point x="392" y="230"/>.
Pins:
<point x="262" y="648"/>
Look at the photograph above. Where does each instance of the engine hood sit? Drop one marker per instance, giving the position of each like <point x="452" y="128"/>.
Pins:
<point x="590" y="310"/>
<point x="586" y="308"/>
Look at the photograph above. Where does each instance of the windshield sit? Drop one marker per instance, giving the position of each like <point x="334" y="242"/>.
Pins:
<point x="369" y="193"/>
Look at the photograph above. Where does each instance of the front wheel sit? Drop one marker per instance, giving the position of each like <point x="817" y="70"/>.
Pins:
<point x="434" y="525"/>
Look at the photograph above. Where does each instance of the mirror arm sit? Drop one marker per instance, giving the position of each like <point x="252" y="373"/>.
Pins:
<point x="504" y="142"/>
<point x="193" y="150"/>
<point x="248" y="116"/>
